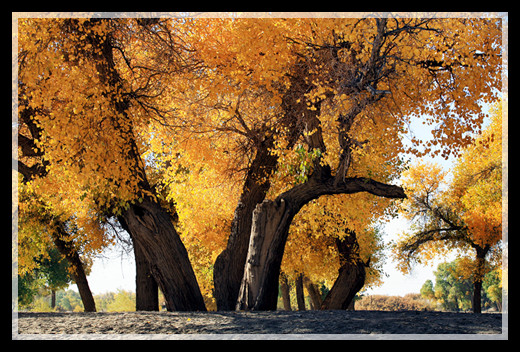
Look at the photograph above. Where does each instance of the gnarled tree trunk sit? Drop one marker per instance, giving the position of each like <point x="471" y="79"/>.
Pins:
<point x="270" y="228"/>
<point x="351" y="276"/>
<point x="154" y="233"/>
<point x="229" y="265"/>
<point x="259" y="288"/>
<point x="313" y="292"/>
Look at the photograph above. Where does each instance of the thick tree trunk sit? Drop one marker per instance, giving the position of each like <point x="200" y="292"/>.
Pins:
<point x="146" y="289"/>
<point x="68" y="250"/>
<point x="154" y="233"/>
<point x="270" y="228"/>
<point x="476" y="299"/>
<point x="350" y="280"/>
<point x="147" y="222"/>
<point x="228" y="270"/>
<point x="259" y="288"/>
<point x="229" y="265"/>
<point x="351" y="276"/>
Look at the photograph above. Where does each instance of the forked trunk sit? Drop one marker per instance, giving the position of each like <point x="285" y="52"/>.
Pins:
<point x="259" y="288"/>
<point x="270" y="228"/>
<point x="229" y="266"/>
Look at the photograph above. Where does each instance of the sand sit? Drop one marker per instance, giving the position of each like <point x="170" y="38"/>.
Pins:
<point x="272" y="322"/>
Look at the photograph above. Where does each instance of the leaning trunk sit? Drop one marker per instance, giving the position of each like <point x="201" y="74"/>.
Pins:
<point x="350" y="280"/>
<point x="67" y="249"/>
<point x="270" y="228"/>
<point x="351" y="276"/>
<point x="154" y="233"/>
<point x="147" y="222"/>
<point x="146" y="289"/>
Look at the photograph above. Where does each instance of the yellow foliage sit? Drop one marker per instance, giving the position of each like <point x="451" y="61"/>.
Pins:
<point x="462" y="213"/>
<point x="199" y="96"/>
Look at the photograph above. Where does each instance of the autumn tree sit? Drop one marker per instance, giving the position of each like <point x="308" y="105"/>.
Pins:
<point x="464" y="214"/>
<point x="237" y="100"/>
<point x="354" y="80"/>
<point x="79" y="95"/>
<point x="331" y="241"/>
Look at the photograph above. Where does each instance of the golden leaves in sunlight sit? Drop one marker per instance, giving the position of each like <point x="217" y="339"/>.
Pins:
<point x="191" y="101"/>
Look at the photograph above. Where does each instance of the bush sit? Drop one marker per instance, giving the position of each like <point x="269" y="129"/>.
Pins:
<point x="411" y="301"/>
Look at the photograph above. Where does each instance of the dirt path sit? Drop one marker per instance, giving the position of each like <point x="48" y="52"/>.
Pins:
<point x="278" y="322"/>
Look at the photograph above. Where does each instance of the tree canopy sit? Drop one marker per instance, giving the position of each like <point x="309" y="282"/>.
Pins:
<point x="199" y="115"/>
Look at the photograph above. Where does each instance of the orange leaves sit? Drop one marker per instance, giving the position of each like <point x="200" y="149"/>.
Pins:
<point x="198" y="96"/>
<point x="477" y="184"/>
<point x="463" y="213"/>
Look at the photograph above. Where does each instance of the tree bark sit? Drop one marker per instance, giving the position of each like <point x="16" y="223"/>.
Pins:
<point x="146" y="289"/>
<point x="313" y="292"/>
<point x="228" y="270"/>
<point x="53" y="299"/>
<point x="286" y="295"/>
<point x="67" y="249"/>
<point x="153" y="232"/>
<point x="351" y="276"/>
<point x="270" y="228"/>
<point x="300" y="296"/>
<point x="229" y="265"/>
<point x="476" y="299"/>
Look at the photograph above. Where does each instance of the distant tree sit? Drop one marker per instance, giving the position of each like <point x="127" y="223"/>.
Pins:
<point x="69" y="300"/>
<point x="124" y="301"/>
<point x="51" y="274"/>
<point x="451" y="289"/>
<point x="28" y="285"/>
<point x="427" y="291"/>
<point x="492" y="286"/>
<point x="56" y="273"/>
<point x="454" y="291"/>
<point x="464" y="214"/>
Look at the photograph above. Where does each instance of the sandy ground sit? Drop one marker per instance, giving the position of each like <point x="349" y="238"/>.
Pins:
<point x="274" y="322"/>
